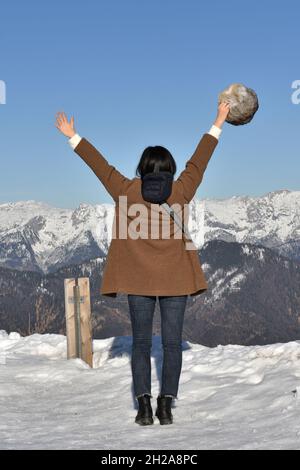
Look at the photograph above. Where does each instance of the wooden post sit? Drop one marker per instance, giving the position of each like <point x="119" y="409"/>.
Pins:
<point x="85" y="319"/>
<point x="78" y="319"/>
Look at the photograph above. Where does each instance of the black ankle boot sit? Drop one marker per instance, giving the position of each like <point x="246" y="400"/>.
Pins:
<point x="145" y="414"/>
<point x="163" y="411"/>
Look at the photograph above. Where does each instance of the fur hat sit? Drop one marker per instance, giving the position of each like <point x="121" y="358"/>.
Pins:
<point x="243" y="103"/>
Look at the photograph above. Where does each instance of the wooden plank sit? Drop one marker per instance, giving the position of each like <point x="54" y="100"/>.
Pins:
<point x="85" y="319"/>
<point x="70" y="318"/>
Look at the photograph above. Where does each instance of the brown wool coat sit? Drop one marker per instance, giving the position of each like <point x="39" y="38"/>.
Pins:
<point x="148" y="266"/>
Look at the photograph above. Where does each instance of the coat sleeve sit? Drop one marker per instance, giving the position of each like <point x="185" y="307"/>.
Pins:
<point x="113" y="181"/>
<point x="191" y="177"/>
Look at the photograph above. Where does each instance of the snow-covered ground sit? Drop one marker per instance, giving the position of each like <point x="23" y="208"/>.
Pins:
<point x="231" y="397"/>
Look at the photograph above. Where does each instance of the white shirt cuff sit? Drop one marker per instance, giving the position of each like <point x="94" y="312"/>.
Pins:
<point x="215" y="131"/>
<point x="74" y="141"/>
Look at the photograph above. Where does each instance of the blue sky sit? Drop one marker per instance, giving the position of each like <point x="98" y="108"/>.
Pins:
<point x="138" y="73"/>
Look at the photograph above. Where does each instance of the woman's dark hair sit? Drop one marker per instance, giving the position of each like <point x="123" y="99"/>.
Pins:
<point x="153" y="154"/>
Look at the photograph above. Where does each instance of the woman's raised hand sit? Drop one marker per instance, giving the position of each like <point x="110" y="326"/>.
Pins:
<point x="62" y="124"/>
<point x="223" y="110"/>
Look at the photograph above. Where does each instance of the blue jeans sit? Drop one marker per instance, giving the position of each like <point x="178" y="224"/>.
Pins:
<point x="141" y="310"/>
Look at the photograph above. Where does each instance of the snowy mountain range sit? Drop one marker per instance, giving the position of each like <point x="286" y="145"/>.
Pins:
<point x="38" y="237"/>
<point x="253" y="298"/>
<point x="248" y="247"/>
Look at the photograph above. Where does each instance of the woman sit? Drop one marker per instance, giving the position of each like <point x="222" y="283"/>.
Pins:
<point x="143" y="266"/>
